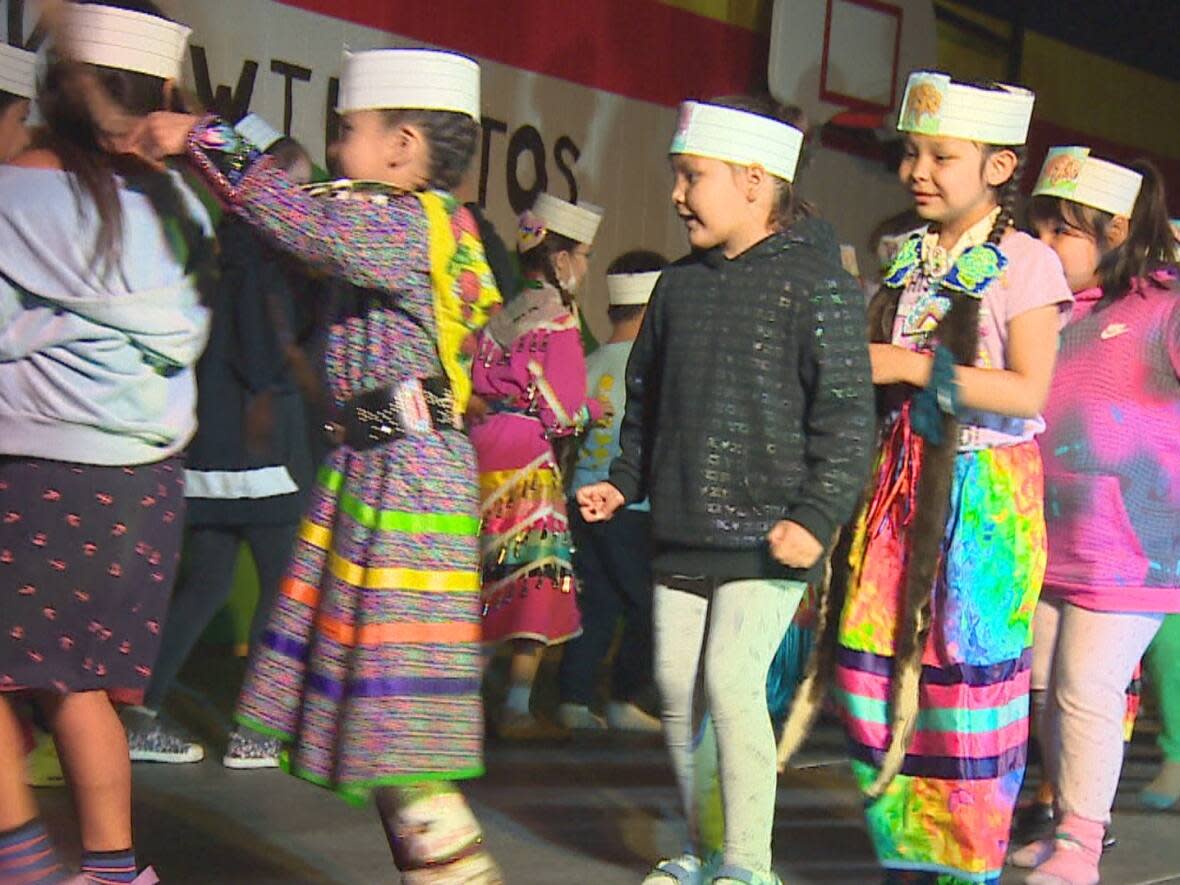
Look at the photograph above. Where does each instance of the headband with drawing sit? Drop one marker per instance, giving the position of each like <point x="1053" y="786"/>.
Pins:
<point x="935" y="105"/>
<point x="1072" y="174"/>
<point x="577" y="221"/>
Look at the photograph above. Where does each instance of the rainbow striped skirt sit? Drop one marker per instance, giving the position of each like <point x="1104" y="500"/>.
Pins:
<point x="948" y="813"/>
<point x="370" y="669"/>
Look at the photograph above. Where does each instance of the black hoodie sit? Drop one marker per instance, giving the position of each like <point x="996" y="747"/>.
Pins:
<point x="749" y="401"/>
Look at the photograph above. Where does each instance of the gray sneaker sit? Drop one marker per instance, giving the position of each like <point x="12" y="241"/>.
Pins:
<point x="151" y="739"/>
<point x="246" y="751"/>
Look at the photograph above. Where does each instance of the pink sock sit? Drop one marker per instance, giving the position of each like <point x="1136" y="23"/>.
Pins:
<point x="1076" y="855"/>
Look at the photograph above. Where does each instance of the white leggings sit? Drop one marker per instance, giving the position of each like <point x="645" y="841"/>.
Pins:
<point x="1082" y="663"/>
<point x="746" y="622"/>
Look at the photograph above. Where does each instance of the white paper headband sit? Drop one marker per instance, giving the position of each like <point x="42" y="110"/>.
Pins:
<point x="426" y="79"/>
<point x="120" y="38"/>
<point x="631" y="288"/>
<point x="934" y="105"/>
<point x="709" y="130"/>
<point x="1072" y="174"/>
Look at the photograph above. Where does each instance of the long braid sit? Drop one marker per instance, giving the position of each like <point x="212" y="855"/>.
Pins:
<point x="1008" y="197"/>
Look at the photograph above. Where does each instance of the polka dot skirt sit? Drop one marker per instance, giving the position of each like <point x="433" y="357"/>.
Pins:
<point x="87" y="560"/>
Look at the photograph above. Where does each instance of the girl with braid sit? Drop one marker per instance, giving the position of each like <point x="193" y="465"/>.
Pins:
<point x="929" y="646"/>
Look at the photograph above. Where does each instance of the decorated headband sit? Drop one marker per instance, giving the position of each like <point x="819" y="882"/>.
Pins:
<point x="424" y="79"/>
<point x="258" y="132"/>
<point x="17" y="71"/>
<point x="123" y="39"/>
<point x="709" y="130"/>
<point x="935" y="105"/>
<point x="578" y="221"/>
<point x="1072" y="174"/>
<point x="631" y="288"/>
<point x="1175" y="222"/>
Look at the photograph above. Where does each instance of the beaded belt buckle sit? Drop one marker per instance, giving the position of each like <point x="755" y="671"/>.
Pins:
<point x="413" y="407"/>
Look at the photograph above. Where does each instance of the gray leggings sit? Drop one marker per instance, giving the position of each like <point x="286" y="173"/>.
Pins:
<point x="746" y="621"/>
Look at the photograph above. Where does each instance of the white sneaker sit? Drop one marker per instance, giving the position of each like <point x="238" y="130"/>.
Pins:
<point x="578" y="717"/>
<point x="628" y="717"/>
<point x="150" y="739"/>
<point x="246" y="752"/>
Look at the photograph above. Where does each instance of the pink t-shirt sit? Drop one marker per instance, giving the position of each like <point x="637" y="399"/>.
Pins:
<point x="1032" y="279"/>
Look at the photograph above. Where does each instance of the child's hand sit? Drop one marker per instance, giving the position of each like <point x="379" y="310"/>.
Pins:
<point x="163" y="134"/>
<point x="599" y="501"/>
<point x="896" y="365"/>
<point x="793" y="545"/>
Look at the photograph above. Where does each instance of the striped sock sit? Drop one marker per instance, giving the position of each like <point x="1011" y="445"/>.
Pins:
<point x="27" y="856"/>
<point x="109" y="867"/>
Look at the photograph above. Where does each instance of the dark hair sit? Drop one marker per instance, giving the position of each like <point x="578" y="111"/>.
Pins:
<point x="538" y="261"/>
<point x="287" y="152"/>
<point x="8" y="99"/>
<point x="788" y="207"/>
<point x="452" y="136"/>
<point x="1150" y="243"/>
<point x="635" y="261"/>
<point x="74" y="134"/>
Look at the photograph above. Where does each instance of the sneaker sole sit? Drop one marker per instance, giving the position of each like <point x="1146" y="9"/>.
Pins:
<point x="248" y="764"/>
<point x="195" y="755"/>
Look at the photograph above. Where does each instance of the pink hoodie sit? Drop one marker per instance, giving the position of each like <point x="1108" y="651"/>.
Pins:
<point x="1112" y="454"/>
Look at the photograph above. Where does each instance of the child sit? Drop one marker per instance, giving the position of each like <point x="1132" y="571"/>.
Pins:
<point x="246" y="470"/>
<point x="18" y="85"/>
<point x="932" y="659"/>
<point x="748" y="425"/>
<point x="613" y="559"/>
<point x="1163" y="661"/>
<point x="530" y="374"/>
<point x="370" y="668"/>
<point x="1112" y="485"/>
<point x="104" y="263"/>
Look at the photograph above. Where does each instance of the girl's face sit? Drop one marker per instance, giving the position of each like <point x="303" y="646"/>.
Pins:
<point x="14" y="134"/>
<point x="951" y="180"/>
<point x="709" y="200"/>
<point x="570" y="267"/>
<point x="368" y="149"/>
<point x="1077" y="249"/>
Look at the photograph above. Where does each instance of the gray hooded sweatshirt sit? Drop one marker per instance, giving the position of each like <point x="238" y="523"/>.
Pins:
<point x="96" y="361"/>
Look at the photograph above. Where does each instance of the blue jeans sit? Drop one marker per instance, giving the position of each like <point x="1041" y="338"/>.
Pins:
<point x="613" y="563"/>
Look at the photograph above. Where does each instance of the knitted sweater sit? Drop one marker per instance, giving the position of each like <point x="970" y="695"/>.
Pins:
<point x="1112" y="454"/>
<point x="749" y="401"/>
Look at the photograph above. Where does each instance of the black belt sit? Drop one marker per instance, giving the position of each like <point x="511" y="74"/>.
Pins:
<point x="413" y="407"/>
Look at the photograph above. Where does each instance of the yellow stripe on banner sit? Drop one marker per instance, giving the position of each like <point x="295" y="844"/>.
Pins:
<point x="1107" y="98"/>
<point x="315" y="535"/>
<point x="403" y="578"/>
<point x="753" y="15"/>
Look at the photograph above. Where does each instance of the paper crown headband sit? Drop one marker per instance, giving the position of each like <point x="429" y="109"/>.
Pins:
<point x="631" y="288"/>
<point x="709" y="130"/>
<point x="934" y="105"/>
<point x="578" y="221"/>
<point x="120" y="38"/>
<point x="425" y="79"/>
<point x="17" y="71"/>
<point x="1072" y="174"/>
<point x="258" y="132"/>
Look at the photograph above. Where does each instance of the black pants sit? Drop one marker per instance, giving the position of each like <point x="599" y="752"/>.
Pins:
<point x="212" y="552"/>
<point x="613" y="563"/>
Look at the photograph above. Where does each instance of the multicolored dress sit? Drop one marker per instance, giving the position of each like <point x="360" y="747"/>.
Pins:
<point x="370" y="667"/>
<point x="949" y="810"/>
<point x="531" y="371"/>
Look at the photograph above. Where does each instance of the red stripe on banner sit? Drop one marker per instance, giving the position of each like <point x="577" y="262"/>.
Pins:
<point x="640" y="49"/>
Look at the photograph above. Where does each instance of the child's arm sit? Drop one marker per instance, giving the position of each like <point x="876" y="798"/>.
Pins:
<point x="361" y="242"/>
<point x="628" y="472"/>
<point x="560" y="379"/>
<point x="839" y="422"/>
<point x="1019" y="391"/>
